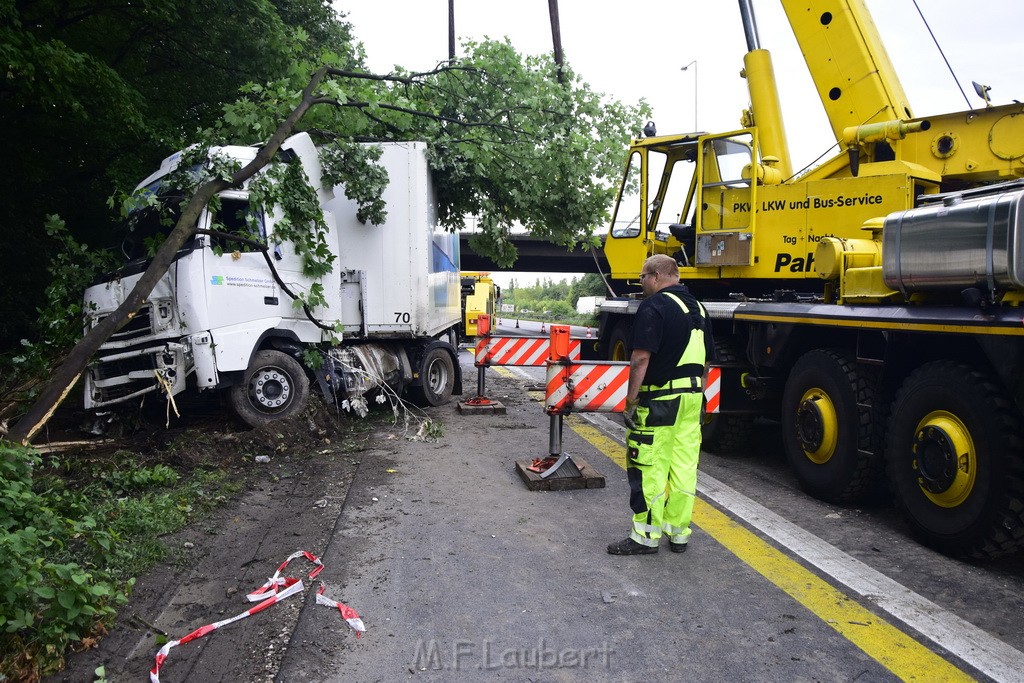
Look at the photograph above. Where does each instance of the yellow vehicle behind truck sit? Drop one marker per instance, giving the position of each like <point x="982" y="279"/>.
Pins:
<point x="479" y="296"/>
<point x="871" y="304"/>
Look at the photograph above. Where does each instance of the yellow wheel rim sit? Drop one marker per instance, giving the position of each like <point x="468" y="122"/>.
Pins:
<point x="618" y="351"/>
<point x="945" y="459"/>
<point x="817" y="426"/>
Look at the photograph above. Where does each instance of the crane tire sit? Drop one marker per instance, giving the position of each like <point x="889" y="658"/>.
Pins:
<point x="827" y="426"/>
<point x="955" y="461"/>
<point x="618" y="342"/>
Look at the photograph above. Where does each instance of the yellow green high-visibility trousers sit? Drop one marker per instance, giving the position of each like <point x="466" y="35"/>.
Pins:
<point x="661" y="465"/>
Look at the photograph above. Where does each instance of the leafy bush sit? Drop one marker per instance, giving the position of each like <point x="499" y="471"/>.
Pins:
<point x="138" y="478"/>
<point x="47" y="600"/>
<point x="60" y="320"/>
<point x="72" y="534"/>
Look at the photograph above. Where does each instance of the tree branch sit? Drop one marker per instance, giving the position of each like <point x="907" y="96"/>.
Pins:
<point x="417" y="112"/>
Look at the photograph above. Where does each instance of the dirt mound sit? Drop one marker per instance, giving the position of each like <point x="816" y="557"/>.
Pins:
<point x="204" y="433"/>
<point x="219" y="438"/>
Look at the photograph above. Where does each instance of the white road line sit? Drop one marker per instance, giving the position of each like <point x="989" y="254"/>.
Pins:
<point x="963" y="639"/>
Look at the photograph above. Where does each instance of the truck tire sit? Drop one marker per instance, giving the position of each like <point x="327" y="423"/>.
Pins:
<point x="437" y="378"/>
<point x="618" y="342"/>
<point x="827" y="428"/>
<point x="954" y="460"/>
<point x="726" y="434"/>
<point x="275" y="386"/>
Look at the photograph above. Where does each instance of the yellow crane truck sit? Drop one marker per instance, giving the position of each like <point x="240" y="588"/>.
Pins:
<point x="872" y="304"/>
<point x="479" y="295"/>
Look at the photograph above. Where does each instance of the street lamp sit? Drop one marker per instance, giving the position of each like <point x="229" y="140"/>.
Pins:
<point x="687" y="68"/>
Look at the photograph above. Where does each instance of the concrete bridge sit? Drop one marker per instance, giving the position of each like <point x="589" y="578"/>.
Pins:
<point x="536" y="255"/>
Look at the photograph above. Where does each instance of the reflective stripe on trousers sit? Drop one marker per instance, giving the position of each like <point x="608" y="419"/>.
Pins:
<point x="661" y="465"/>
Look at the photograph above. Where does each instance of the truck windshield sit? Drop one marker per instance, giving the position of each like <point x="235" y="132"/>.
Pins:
<point x="149" y="225"/>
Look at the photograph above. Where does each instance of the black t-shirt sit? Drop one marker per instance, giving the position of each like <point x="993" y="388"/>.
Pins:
<point x="662" y="328"/>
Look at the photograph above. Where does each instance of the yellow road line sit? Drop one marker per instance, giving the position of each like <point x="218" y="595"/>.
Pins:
<point x="888" y="645"/>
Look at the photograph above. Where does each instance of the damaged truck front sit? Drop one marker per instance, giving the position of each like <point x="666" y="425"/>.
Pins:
<point x="223" y="317"/>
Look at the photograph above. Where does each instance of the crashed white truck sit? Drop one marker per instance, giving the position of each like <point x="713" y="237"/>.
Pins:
<point x="222" y="317"/>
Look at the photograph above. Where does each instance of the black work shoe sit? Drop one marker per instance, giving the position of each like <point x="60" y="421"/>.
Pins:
<point x="677" y="547"/>
<point x="630" y="547"/>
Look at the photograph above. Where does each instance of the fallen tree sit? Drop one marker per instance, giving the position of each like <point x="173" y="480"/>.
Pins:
<point x="509" y="144"/>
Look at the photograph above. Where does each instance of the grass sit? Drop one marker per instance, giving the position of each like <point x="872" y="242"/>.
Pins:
<point x="74" y="534"/>
<point x="75" y="530"/>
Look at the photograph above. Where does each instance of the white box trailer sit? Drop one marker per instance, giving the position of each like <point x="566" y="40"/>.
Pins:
<point x="222" y="317"/>
<point x="414" y="283"/>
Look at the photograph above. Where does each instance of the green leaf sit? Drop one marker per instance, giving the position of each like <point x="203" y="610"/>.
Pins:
<point x="66" y="599"/>
<point x="45" y="592"/>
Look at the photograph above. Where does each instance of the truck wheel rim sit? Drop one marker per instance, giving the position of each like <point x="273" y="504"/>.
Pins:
<point x="817" y="426"/>
<point x="944" y="459"/>
<point x="437" y="376"/>
<point x="269" y="389"/>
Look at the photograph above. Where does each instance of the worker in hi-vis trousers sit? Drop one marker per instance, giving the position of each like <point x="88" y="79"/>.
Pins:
<point x="670" y="348"/>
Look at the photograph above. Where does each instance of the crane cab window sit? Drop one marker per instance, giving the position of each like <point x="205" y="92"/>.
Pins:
<point x="726" y="197"/>
<point x="629" y="209"/>
<point x="656" y="190"/>
<point x="671" y="176"/>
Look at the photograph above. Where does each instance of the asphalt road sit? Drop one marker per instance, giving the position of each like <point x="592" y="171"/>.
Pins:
<point x="462" y="573"/>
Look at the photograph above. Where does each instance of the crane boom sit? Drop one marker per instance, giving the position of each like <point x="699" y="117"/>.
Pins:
<point x="847" y="62"/>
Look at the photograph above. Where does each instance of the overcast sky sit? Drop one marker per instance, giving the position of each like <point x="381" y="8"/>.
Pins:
<point x="633" y="50"/>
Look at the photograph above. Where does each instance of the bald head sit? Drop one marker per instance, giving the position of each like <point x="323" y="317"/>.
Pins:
<point x="659" y="271"/>
<point x="663" y="264"/>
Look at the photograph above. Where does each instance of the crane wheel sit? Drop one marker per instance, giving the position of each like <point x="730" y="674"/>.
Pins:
<point x="827" y="426"/>
<point x="618" y="343"/>
<point x="725" y="434"/>
<point x="955" y="462"/>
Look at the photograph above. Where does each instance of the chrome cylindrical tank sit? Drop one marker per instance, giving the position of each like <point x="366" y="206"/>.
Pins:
<point x="958" y="241"/>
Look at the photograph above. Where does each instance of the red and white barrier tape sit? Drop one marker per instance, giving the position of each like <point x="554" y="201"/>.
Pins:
<point x="272" y="584"/>
<point x="275" y="590"/>
<point x="347" y="613"/>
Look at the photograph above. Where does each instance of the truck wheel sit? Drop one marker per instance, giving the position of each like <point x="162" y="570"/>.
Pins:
<point x="954" y="461"/>
<point x="726" y="434"/>
<point x="618" y="342"/>
<point x="437" y="378"/>
<point x="275" y="386"/>
<point x="826" y="422"/>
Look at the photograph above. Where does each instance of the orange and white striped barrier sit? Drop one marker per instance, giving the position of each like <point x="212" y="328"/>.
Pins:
<point x="576" y="386"/>
<point x="276" y="589"/>
<point x="516" y="351"/>
<point x="586" y="386"/>
<point x="713" y="391"/>
<point x="520" y="351"/>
